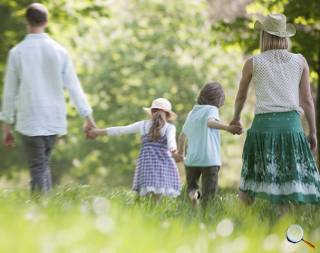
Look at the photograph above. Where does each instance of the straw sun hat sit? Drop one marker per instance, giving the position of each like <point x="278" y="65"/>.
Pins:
<point x="276" y="24"/>
<point x="162" y="104"/>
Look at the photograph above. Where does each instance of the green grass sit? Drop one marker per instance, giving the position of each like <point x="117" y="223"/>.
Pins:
<point x="84" y="219"/>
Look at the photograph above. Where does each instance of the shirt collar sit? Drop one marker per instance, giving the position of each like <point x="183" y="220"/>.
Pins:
<point x="205" y="106"/>
<point x="37" y="36"/>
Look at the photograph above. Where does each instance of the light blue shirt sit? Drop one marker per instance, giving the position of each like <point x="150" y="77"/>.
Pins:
<point x="203" y="142"/>
<point x="37" y="72"/>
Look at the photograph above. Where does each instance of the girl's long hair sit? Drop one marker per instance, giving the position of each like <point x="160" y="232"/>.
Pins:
<point x="159" y="119"/>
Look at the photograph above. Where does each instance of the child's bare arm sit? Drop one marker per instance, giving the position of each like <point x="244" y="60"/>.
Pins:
<point x="179" y="156"/>
<point x="234" y="129"/>
<point x="181" y="143"/>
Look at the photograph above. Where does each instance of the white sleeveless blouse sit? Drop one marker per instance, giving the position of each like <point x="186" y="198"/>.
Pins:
<point x="276" y="76"/>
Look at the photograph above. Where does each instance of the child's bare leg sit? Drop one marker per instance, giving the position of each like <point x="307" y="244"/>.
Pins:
<point x="245" y="198"/>
<point x="193" y="175"/>
<point x="194" y="196"/>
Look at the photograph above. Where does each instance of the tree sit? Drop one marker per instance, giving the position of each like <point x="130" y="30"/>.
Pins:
<point x="303" y="13"/>
<point x="128" y="53"/>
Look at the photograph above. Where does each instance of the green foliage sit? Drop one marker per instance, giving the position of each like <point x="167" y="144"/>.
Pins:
<point x="130" y="52"/>
<point x="84" y="219"/>
<point x="127" y="55"/>
<point x="306" y="17"/>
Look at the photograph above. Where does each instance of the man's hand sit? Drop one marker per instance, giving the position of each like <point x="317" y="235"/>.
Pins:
<point x="88" y="125"/>
<point x="8" y="137"/>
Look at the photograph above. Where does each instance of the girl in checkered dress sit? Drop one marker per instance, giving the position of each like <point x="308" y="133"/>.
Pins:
<point x="156" y="172"/>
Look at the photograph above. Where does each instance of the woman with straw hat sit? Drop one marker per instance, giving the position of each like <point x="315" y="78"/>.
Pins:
<point x="277" y="159"/>
<point x="156" y="172"/>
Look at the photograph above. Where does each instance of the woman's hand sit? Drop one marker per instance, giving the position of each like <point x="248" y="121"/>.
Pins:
<point x="312" y="138"/>
<point x="235" y="121"/>
<point x="235" y="129"/>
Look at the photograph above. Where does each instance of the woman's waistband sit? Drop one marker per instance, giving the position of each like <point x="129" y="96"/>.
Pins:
<point x="289" y="121"/>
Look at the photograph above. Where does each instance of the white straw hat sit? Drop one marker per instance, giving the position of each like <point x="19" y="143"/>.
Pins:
<point x="276" y="24"/>
<point x="162" y="104"/>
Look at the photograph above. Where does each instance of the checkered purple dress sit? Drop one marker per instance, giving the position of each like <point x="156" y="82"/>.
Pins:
<point x="156" y="171"/>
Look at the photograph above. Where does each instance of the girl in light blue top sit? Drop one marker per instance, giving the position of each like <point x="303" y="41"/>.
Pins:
<point x="201" y="129"/>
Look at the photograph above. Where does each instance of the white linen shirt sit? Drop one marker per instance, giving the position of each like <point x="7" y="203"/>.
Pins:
<point x="143" y="127"/>
<point x="38" y="71"/>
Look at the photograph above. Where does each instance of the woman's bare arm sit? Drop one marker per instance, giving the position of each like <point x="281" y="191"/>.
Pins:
<point x="306" y="102"/>
<point x="243" y="90"/>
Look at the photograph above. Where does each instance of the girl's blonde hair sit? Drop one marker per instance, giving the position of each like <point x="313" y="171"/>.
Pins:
<point x="159" y="119"/>
<point x="270" y="42"/>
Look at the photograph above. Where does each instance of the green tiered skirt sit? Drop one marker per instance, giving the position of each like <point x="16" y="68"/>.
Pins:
<point x="277" y="160"/>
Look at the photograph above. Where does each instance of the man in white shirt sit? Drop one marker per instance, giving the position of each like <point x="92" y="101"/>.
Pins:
<point x="38" y="71"/>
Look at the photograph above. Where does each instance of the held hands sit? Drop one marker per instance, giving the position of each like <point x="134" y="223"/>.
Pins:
<point x="178" y="157"/>
<point x="92" y="133"/>
<point x="235" y="127"/>
<point x="95" y="132"/>
<point x="89" y="125"/>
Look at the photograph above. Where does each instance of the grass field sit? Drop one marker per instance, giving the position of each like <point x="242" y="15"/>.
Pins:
<point x="81" y="219"/>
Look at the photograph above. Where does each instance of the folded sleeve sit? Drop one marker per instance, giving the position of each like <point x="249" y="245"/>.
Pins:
<point x="72" y="84"/>
<point x="10" y="91"/>
<point x="214" y="114"/>
<point x="171" y="137"/>
<point x="122" y="130"/>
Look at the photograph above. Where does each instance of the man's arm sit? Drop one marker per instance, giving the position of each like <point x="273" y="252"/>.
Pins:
<point x="78" y="98"/>
<point x="10" y="92"/>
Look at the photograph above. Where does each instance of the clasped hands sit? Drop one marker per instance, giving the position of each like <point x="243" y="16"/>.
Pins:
<point x="234" y="128"/>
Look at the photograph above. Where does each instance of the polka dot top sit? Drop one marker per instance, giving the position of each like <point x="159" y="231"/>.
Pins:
<point x="276" y="76"/>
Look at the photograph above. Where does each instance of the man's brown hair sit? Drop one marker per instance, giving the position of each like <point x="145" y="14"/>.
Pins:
<point x="36" y="14"/>
<point x="211" y="94"/>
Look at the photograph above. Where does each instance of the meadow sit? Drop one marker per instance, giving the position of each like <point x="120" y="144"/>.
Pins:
<point x="81" y="219"/>
<point x="126" y="53"/>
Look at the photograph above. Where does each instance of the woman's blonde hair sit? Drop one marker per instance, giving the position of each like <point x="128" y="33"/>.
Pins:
<point x="159" y="119"/>
<point x="270" y="42"/>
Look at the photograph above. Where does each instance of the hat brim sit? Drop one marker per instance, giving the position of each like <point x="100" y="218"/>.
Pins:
<point x="291" y="30"/>
<point x="172" y="115"/>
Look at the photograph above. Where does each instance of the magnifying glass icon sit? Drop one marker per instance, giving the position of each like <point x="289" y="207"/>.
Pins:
<point x="295" y="235"/>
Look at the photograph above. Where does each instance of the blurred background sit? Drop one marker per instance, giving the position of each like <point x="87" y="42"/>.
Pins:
<point x="128" y="52"/>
